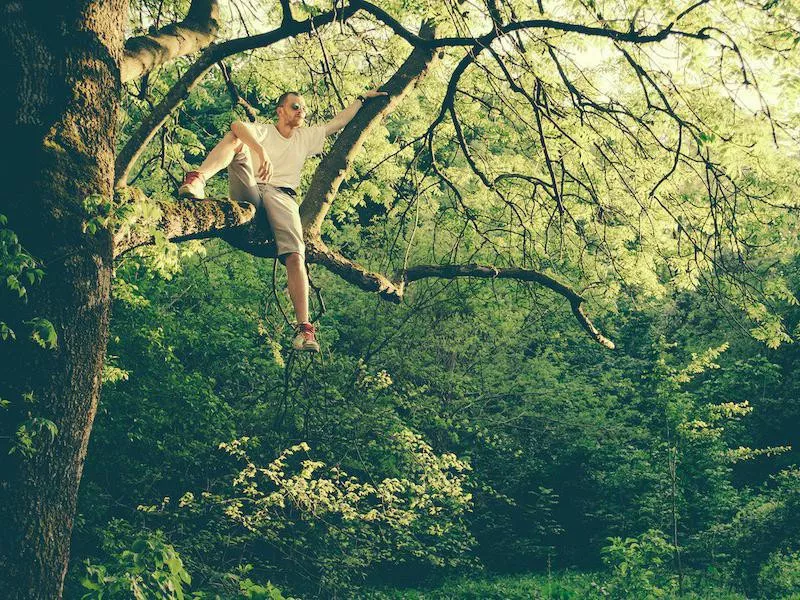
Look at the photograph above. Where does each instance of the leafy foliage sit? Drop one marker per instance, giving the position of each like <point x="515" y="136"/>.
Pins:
<point x="149" y="569"/>
<point x="412" y="516"/>
<point x="474" y="427"/>
<point x="638" y="566"/>
<point x="19" y="271"/>
<point x="567" y="445"/>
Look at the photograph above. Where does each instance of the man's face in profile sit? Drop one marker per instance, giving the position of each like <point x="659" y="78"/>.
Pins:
<point x="293" y="110"/>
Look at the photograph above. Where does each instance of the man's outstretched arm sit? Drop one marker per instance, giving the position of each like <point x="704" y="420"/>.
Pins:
<point x="343" y="118"/>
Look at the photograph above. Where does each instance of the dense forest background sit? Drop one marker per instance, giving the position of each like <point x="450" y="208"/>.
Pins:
<point x="501" y="439"/>
<point x="471" y="440"/>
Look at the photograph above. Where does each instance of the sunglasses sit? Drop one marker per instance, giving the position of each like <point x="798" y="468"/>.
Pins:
<point x="297" y="106"/>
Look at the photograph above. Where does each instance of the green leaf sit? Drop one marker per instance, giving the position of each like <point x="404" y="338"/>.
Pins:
<point x="6" y="332"/>
<point x="43" y="333"/>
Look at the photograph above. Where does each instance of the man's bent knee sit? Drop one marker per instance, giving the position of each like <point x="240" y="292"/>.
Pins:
<point x="293" y="259"/>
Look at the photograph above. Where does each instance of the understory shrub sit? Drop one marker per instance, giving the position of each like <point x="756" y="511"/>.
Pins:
<point x="637" y="566"/>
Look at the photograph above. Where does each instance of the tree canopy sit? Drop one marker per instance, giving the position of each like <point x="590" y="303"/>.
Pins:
<point x="593" y="149"/>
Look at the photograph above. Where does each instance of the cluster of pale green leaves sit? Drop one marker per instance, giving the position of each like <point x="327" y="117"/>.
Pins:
<point x="438" y="489"/>
<point x="704" y="424"/>
<point x="343" y="525"/>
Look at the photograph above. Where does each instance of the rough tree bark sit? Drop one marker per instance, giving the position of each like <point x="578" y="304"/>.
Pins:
<point x="183" y="220"/>
<point x="60" y="102"/>
<point x="145" y="53"/>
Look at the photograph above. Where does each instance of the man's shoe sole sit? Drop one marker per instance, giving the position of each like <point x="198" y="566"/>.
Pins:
<point x="306" y="348"/>
<point x="188" y="195"/>
<point x="314" y="349"/>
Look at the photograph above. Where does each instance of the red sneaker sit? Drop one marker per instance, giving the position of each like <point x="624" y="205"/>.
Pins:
<point x="305" y="339"/>
<point x="193" y="186"/>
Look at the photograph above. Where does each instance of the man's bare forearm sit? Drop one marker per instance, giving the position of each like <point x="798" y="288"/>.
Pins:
<point x="343" y="117"/>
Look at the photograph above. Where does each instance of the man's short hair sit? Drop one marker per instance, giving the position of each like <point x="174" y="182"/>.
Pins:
<point x="282" y="98"/>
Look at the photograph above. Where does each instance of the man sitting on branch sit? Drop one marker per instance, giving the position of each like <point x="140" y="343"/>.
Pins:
<point x="264" y="161"/>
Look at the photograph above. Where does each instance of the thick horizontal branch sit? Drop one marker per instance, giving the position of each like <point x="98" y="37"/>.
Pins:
<point x="182" y="220"/>
<point x="236" y="223"/>
<point x="317" y="252"/>
<point x="147" y="52"/>
<point x="489" y="272"/>
<point x="136" y="144"/>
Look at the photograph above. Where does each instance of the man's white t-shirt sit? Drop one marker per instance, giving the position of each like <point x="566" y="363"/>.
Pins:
<point x="288" y="155"/>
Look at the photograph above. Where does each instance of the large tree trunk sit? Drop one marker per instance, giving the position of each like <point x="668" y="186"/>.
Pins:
<point x="60" y="99"/>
